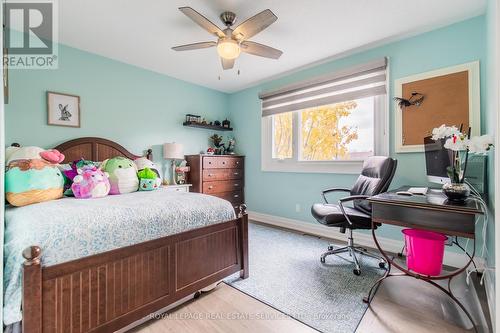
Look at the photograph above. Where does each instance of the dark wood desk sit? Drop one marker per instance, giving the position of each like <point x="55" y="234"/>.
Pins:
<point x="430" y="212"/>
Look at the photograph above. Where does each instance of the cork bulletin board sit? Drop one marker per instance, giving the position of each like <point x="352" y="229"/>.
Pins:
<point x="451" y="98"/>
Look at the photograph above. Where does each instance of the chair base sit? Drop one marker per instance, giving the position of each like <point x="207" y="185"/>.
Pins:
<point x="353" y="251"/>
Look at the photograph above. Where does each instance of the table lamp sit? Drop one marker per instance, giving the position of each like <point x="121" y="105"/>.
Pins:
<point x="173" y="151"/>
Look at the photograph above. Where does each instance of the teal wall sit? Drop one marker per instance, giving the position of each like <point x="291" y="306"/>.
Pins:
<point x="277" y="193"/>
<point x="124" y="103"/>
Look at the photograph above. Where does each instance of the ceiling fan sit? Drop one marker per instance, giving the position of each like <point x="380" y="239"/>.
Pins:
<point x="231" y="42"/>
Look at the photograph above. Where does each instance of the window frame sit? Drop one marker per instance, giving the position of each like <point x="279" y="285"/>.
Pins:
<point x="294" y="164"/>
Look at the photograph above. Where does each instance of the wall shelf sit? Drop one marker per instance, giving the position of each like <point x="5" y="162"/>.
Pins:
<point x="206" y="126"/>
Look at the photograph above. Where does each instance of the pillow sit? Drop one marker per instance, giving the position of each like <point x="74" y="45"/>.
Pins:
<point x="32" y="181"/>
<point x="90" y="183"/>
<point x="143" y="162"/>
<point x="122" y="175"/>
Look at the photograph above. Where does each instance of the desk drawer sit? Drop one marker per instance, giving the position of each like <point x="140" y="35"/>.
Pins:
<point x="447" y="222"/>
<point x="222" y="162"/>
<point x="222" y="174"/>
<point x="222" y="186"/>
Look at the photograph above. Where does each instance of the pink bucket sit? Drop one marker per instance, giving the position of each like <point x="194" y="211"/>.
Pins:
<point x="424" y="251"/>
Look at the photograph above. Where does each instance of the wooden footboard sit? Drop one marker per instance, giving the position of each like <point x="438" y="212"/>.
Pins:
<point x="108" y="291"/>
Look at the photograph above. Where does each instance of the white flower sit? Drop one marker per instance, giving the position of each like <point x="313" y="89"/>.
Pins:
<point x="456" y="143"/>
<point x="444" y="131"/>
<point x="480" y="144"/>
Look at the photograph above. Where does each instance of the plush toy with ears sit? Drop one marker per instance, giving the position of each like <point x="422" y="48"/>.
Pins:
<point x="90" y="183"/>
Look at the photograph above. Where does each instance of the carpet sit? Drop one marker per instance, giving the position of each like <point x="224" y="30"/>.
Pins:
<point x="285" y="273"/>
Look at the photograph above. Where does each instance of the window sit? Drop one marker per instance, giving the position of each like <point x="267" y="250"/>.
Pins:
<point x="326" y="137"/>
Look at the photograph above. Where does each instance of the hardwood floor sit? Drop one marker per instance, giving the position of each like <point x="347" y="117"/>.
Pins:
<point x="224" y="309"/>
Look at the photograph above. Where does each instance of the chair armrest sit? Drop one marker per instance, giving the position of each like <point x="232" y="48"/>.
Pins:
<point x="350" y="198"/>
<point x="335" y="189"/>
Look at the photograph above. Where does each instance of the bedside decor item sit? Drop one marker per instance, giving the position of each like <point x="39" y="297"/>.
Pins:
<point x="180" y="173"/>
<point x="63" y="109"/>
<point x="226" y="123"/>
<point x="90" y="183"/>
<point x="173" y="151"/>
<point x="460" y="145"/>
<point x="122" y="175"/>
<point x="192" y="118"/>
<point x="219" y="145"/>
<point x="210" y="151"/>
<point x="452" y="96"/>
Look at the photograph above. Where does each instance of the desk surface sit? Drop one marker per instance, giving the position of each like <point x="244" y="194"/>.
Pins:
<point x="433" y="200"/>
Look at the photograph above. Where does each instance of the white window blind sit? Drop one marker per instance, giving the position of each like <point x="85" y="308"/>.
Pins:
<point x="349" y="84"/>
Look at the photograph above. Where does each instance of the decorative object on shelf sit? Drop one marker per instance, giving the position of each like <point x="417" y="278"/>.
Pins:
<point x="220" y="147"/>
<point x="204" y="122"/>
<point x="230" y="146"/>
<point x="192" y="118"/>
<point x="173" y="151"/>
<point x="460" y="145"/>
<point x="63" y="109"/>
<point x="217" y="123"/>
<point x="210" y="151"/>
<point x="415" y="99"/>
<point x="226" y="123"/>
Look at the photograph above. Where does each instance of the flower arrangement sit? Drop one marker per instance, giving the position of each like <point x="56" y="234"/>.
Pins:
<point x="461" y="145"/>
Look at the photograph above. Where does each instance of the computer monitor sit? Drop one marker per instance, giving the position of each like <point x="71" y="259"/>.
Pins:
<point x="437" y="160"/>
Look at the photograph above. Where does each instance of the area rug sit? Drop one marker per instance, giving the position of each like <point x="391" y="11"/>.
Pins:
<point x="286" y="273"/>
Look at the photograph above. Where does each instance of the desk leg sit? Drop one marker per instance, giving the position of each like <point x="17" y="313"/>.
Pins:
<point x="429" y="279"/>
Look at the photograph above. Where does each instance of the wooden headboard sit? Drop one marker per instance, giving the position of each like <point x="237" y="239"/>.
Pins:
<point x="95" y="149"/>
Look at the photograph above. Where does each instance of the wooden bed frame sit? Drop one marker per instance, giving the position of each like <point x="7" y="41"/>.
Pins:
<point x="108" y="291"/>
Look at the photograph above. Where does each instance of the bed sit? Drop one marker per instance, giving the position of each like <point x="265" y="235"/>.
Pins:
<point x="117" y="259"/>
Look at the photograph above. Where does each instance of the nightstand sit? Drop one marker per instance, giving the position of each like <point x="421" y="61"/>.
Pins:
<point x="176" y="188"/>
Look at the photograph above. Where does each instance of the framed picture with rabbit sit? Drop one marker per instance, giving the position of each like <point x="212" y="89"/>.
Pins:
<point x="63" y="109"/>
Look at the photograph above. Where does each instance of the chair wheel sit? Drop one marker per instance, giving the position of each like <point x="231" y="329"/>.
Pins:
<point x="330" y="247"/>
<point x="381" y="264"/>
<point x="322" y="260"/>
<point x="356" y="272"/>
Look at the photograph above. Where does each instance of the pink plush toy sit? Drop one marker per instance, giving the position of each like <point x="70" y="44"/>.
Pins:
<point x="90" y="183"/>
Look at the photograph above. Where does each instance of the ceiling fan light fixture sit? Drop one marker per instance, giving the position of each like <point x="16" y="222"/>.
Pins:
<point x="228" y="48"/>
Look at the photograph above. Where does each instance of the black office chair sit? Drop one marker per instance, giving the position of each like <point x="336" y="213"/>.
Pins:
<point x="375" y="178"/>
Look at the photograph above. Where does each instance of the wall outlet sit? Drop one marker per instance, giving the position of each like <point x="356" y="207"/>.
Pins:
<point x="297" y="208"/>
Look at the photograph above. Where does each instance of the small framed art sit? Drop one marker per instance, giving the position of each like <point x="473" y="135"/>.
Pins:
<point x="63" y="109"/>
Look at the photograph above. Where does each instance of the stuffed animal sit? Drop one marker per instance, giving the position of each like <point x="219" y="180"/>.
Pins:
<point x="32" y="180"/>
<point x="122" y="175"/>
<point x="148" y="180"/>
<point x="15" y="153"/>
<point x="90" y="183"/>
<point x="71" y="170"/>
<point x="143" y="162"/>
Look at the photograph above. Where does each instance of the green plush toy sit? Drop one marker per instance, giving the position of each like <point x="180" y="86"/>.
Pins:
<point x="147" y="180"/>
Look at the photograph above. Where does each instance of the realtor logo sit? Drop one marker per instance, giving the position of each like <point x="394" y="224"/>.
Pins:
<point x="30" y="35"/>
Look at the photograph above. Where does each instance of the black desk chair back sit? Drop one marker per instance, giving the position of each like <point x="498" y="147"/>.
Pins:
<point x="375" y="178"/>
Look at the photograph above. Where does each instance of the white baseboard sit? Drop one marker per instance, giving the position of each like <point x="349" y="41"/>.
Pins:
<point x="452" y="259"/>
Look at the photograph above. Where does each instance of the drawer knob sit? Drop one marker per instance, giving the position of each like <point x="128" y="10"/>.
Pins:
<point x="237" y="162"/>
<point x="210" y="175"/>
<point x="236" y="174"/>
<point x="236" y="196"/>
<point x="209" y="162"/>
<point x="210" y="187"/>
<point x="223" y="162"/>
<point x="236" y="184"/>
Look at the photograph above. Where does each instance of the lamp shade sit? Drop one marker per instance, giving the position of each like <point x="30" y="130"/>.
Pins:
<point x="173" y="151"/>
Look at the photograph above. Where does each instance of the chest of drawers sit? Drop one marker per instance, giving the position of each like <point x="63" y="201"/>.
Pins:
<point x="218" y="175"/>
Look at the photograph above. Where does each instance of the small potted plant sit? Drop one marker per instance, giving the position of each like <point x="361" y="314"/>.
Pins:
<point x="219" y="146"/>
<point x="460" y="146"/>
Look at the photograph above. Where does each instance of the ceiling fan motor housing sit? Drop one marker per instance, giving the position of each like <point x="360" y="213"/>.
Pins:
<point x="228" y="18"/>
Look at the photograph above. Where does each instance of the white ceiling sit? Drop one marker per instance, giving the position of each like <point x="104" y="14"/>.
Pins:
<point x="142" y="32"/>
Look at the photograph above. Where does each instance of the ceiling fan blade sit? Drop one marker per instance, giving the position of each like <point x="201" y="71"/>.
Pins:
<point x="254" y="25"/>
<point x="227" y="63"/>
<point x="260" y="50"/>
<point x="202" y="21"/>
<point x="194" y="46"/>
